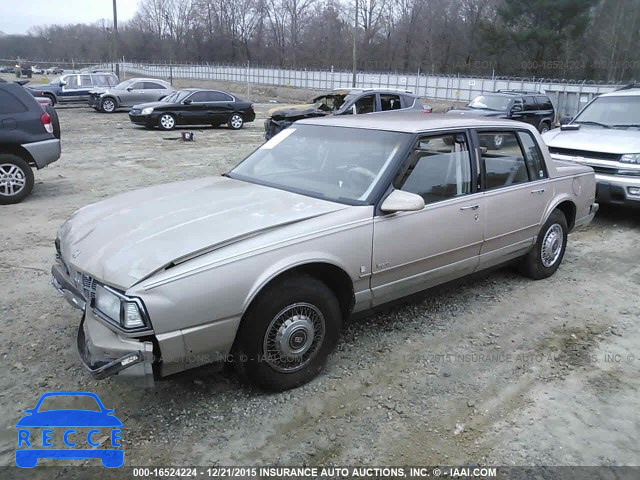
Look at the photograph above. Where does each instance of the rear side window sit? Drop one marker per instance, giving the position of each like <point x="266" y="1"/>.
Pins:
<point x="533" y="156"/>
<point x="153" y="86"/>
<point x="219" y="97"/>
<point x="85" y="80"/>
<point x="10" y="104"/>
<point x="439" y="169"/>
<point x="389" y="102"/>
<point x="544" y="102"/>
<point x="503" y="159"/>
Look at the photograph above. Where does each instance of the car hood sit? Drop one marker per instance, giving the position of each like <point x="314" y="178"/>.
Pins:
<point x="122" y="240"/>
<point x="595" y="139"/>
<point x="152" y="104"/>
<point x="296" y="113"/>
<point x="478" y="112"/>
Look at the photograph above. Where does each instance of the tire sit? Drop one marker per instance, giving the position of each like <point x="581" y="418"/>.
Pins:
<point x="547" y="255"/>
<point x="14" y="172"/>
<point x="235" y="121"/>
<point x="51" y="97"/>
<point x="544" y="127"/>
<point x="55" y="121"/>
<point x="496" y="142"/>
<point x="167" y="121"/>
<point x="265" y="352"/>
<point x="108" y="105"/>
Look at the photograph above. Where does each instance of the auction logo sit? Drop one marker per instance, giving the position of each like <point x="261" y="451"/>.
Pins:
<point x="42" y="426"/>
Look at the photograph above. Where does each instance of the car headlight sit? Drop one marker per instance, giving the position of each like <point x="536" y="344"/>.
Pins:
<point x="147" y="111"/>
<point x="126" y="312"/>
<point x="630" y="158"/>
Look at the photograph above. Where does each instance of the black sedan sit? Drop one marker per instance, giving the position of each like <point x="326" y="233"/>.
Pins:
<point x="193" y="106"/>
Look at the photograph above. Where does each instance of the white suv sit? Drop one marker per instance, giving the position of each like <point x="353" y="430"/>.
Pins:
<point x="606" y="136"/>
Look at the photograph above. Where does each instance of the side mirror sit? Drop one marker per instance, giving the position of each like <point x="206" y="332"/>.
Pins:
<point x="186" y="102"/>
<point x="62" y="83"/>
<point x="399" y="201"/>
<point x="129" y="89"/>
<point x="516" y="108"/>
<point x="565" y="120"/>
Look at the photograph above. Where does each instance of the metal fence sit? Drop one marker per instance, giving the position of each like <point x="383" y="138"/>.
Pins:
<point x="568" y="96"/>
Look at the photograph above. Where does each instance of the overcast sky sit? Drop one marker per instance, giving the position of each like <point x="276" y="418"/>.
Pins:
<point x="19" y="16"/>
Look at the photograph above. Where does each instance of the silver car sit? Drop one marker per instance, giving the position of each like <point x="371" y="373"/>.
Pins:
<point x="129" y="93"/>
<point x="606" y="136"/>
<point x="261" y="266"/>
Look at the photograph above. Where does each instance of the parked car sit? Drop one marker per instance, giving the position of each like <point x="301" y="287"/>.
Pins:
<point x="531" y="107"/>
<point x="54" y="71"/>
<point x="129" y="93"/>
<point x="75" y="87"/>
<point x="31" y="142"/>
<point x="37" y="70"/>
<point x="334" y="215"/>
<point x="39" y="96"/>
<point x="606" y="136"/>
<point x="342" y="102"/>
<point x="194" y="106"/>
<point x="7" y="70"/>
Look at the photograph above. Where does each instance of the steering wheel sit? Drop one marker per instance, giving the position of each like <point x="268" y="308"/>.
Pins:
<point x="360" y="178"/>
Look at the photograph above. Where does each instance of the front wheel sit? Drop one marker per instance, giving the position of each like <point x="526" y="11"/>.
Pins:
<point x="108" y="105"/>
<point x="167" y="122"/>
<point x="287" y="334"/>
<point x="235" y="121"/>
<point x="544" y="128"/>
<point x="546" y="256"/>
<point x="16" y="179"/>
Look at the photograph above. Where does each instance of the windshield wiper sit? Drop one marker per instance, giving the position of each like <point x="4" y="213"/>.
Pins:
<point x="588" y="122"/>
<point x="622" y="125"/>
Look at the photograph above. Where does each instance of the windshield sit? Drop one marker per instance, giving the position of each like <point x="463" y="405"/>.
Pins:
<point x="57" y="80"/>
<point x="177" y="97"/>
<point x="123" y="85"/>
<point x="492" y="102"/>
<point x="623" y="111"/>
<point x="333" y="163"/>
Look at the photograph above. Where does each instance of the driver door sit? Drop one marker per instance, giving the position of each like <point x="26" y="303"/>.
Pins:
<point x="413" y="251"/>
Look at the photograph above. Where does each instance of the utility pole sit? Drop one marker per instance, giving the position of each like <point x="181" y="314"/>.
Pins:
<point x="355" y="37"/>
<point x="115" y="36"/>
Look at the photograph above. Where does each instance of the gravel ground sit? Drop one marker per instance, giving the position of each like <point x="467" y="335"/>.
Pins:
<point x="496" y="369"/>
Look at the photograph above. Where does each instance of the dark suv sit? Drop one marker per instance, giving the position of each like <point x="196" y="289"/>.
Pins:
<point x="29" y="138"/>
<point x="531" y="107"/>
<point x="75" y="87"/>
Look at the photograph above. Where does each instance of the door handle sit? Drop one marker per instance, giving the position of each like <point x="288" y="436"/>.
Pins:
<point x="470" y="207"/>
<point x="539" y="191"/>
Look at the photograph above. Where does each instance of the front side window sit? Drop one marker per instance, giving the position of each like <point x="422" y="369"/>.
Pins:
<point x="503" y="167"/>
<point x="72" y="81"/>
<point x="153" y="86"/>
<point x="137" y="86"/>
<point x="439" y="169"/>
<point x="333" y="163"/>
<point x="199" y="97"/>
<point x="366" y="104"/>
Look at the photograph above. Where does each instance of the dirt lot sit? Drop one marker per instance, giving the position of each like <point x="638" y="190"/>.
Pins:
<point x="499" y="370"/>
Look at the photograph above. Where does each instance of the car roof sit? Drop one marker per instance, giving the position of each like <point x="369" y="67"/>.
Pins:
<point x="629" y="91"/>
<point x="368" y="90"/>
<point x="410" y="122"/>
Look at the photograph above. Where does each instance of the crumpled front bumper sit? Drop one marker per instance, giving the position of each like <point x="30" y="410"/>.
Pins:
<point x="103" y="351"/>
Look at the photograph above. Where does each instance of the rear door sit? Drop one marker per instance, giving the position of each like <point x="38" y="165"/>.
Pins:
<point x="516" y="193"/>
<point x="416" y="250"/>
<point x="154" y="91"/>
<point x="220" y="106"/>
<point x="531" y="111"/>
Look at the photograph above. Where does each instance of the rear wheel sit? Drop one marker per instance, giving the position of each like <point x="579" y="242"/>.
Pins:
<point x="544" y="127"/>
<point x="51" y="97"/>
<point x="16" y="179"/>
<point x="547" y="255"/>
<point x="167" y="122"/>
<point x="108" y="105"/>
<point x="235" y="121"/>
<point x="287" y="334"/>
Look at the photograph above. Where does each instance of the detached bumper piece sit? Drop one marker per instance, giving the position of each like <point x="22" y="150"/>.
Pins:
<point x="104" y="353"/>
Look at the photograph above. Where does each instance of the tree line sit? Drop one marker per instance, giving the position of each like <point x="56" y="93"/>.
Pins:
<point x="570" y="39"/>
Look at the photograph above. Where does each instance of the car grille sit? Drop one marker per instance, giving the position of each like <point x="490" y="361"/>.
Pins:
<point x="585" y="154"/>
<point x="88" y="288"/>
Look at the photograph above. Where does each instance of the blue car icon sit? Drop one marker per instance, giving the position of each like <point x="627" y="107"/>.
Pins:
<point x="35" y="447"/>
